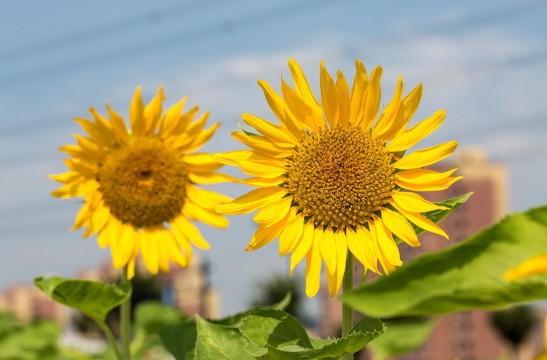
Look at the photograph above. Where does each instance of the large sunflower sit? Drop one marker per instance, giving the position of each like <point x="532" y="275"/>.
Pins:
<point x="139" y="184"/>
<point x="333" y="177"/>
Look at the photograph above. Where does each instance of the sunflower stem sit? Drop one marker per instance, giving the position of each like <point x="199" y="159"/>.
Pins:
<point x="110" y="337"/>
<point x="347" y="311"/>
<point x="126" y="320"/>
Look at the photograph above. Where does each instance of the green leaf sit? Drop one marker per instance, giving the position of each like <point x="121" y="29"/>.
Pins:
<point x="93" y="298"/>
<point x="247" y="132"/>
<point x="219" y="342"/>
<point x="466" y="276"/>
<point x="401" y="337"/>
<point x="151" y="316"/>
<point x="180" y="339"/>
<point x="275" y="334"/>
<point x="30" y="342"/>
<point x="437" y="215"/>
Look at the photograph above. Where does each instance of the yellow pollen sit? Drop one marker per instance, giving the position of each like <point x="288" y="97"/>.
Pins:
<point x="340" y="176"/>
<point x="144" y="183"/>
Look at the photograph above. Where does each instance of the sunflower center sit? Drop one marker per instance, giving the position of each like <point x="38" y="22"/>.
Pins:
<point x="144" y="183"/>
<point x="340" y="176"/>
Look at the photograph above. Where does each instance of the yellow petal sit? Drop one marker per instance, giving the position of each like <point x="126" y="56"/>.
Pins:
<point x="131" y="269"/>
<point x="94" y="133"/>
<point x="280" y="109"/>
<point x="171" y="118"/>
<point x="407" y="109"/>
<point x="533" y="266"/>
<point x="410" y="137"/>
<point x="76" y="189"/>
<point x="97" y="220"/>
<point x="427" y="156"/>
<point x="263" y="182"/>
<point x="161" y="236"/>
<point x="303" y="114"/>
<point x="389" y="115"/>
<point x="421" y="221"/>
<point x="211" y="178"/>
<point x="182" y="240"/>
<point x="387" y="245"/>
<point x="201" y="139"/>
<point x="313" y="268"/>
<point x="273" y="212"/>
<point x="303" y="246"/>
<point x="342" y="90"/>
<point x="108" y="236"/>
<point x="118" y="125"/>
<point x="398" y="225"/>
<point x="414" y="203"/>
<point x="201" y="162"/>
<point x="67" y="177"/>
<point x="358" y="93"/>
<point x="136" y="115"/>
<point x="205" y="198"/>
<point x="418" y="176"/>
<point x="266" y="128"/>
<point x="341" y="251"/>
<point x="153" y="111"/>
<point x="252" y="201"/>
<point x="360" y="245"/>
<point x="269" y="169"/>
<point x="265" y="235"/>
<point x="329" y="98"/>
<point x="263" y="145"/>
<point x="373" y="97"/>
<point x="431" y="186"/>
<point x="301" y="84"/>
<point x="149" y="250"/>
<point x="206" y="216"/>
<point x="327" y="249"/>
<point x="291" y="234"/>
<point x="181" y="226"/>
<point x="174" y="252"/>
<point x="128" y="242"/>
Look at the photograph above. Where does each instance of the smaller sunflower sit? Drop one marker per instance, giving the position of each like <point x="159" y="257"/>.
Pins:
<point x="139" y="185"/>
<point x="333" y="176"/>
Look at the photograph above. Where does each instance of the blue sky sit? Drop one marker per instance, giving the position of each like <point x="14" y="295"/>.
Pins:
<point x="484" y="62"/>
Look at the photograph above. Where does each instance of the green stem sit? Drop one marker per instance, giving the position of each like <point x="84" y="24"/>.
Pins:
<point x="347" y="311"/>
<point x="126" y="321"/>
<point x="110" y="337"/>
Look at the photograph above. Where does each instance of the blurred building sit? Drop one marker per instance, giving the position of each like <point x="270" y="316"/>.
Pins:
<point x="187" y="289"/>
<point x="466" y="335"/>
<point x="28" y="304"/>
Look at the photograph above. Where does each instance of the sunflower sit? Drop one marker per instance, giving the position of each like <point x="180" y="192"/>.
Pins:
<point x="332" y="177"/>
<point x="139" y="184"/>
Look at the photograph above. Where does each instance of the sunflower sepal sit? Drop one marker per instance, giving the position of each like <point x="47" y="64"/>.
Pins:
<point x="437" y="215"/>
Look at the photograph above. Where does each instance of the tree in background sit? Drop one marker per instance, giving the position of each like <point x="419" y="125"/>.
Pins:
<point x="514" y="324"/>
<point x="275" y="288"/>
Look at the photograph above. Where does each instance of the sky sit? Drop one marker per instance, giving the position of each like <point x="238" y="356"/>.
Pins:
<point x="484" y="62"/>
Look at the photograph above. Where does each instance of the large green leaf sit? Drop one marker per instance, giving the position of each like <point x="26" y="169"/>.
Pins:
<point x="180" y="339"/>
<point x="150" y="316"/>
<point x="402" y="336"/>
<point x="30" y="342"/>
<point x="219" y="342"/>
<point x="275" y="334"/>
<point x="466" y="276"/>
<point x="93" y="298"/>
